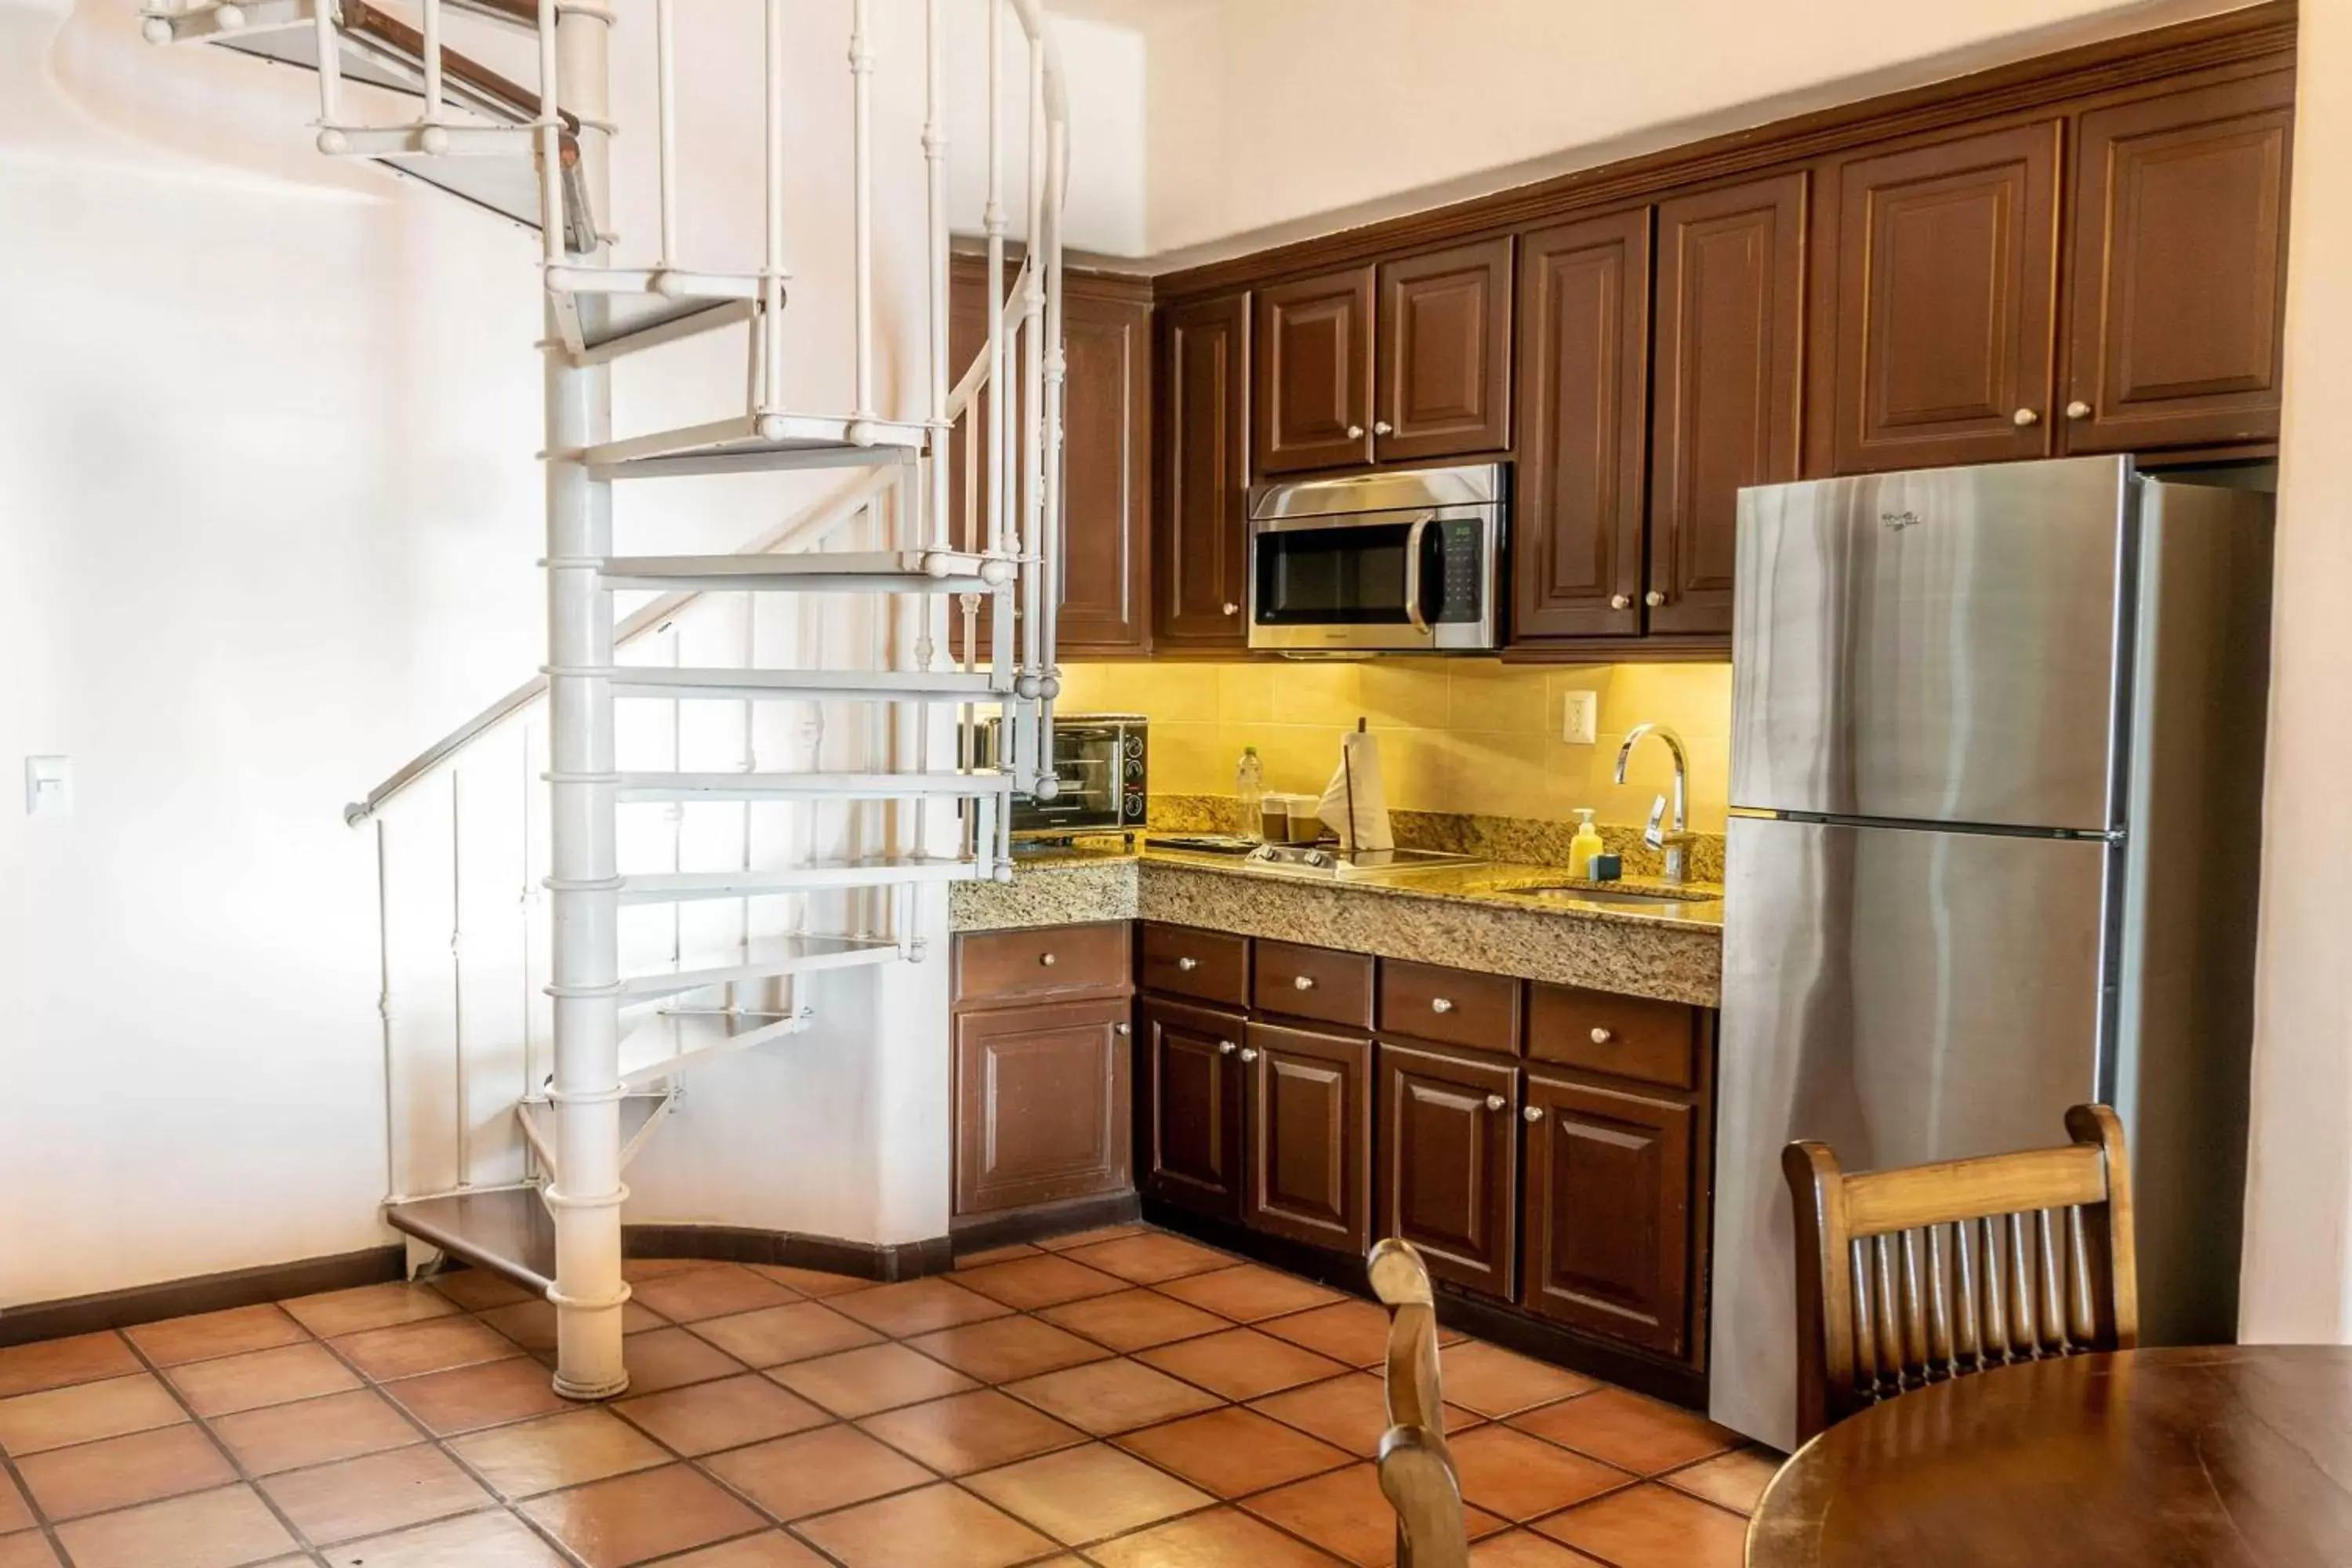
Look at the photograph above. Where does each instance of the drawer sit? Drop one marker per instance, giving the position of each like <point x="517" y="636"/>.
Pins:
<point x="1453" y="1006"/>
<point x="1626" y="1036"/>
<point x="1313" y="982"/>
<point x="1182" y="961"/>
<point x="997" y="967"/>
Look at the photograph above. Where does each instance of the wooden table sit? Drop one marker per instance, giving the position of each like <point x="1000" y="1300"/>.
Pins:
<point x="2231" y="1454"/>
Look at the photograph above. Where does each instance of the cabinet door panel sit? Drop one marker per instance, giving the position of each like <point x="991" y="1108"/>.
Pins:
<point x="1041" y="1111"/>
<point x="1445" y="358"/>
<point x="1198" y="559"/>
<point x="2180" y="267"/>
<point x="1947" y="282"/>
<point x="1311" y="372"/>
<point x="1310" y="1135"/>
<point x="1583" y="370"/>
<point x="1608" y="1212"/>
<point x="1105" y="468"/>
<point x="1728" y="363"/>
<point x="1193" y="1110"/>
<point x="1449" y="1162"/>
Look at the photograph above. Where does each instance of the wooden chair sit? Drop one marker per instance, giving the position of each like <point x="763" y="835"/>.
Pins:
<point x="1909" y="1277"/>
<point x="1416" y="1470"/>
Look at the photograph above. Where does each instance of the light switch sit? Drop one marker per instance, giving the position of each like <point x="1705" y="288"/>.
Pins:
<point x="1580" y="720"/>
<point x="48" y="786"/>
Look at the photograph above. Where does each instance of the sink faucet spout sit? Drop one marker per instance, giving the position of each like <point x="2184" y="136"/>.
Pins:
<point x="1675" y="844"/>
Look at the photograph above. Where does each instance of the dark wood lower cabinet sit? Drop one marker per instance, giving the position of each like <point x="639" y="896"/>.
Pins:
<point x="1191" y="1118"/>
<point x="1611" y="1182"/>
<point x="1448" y="1138"/>
<point x="1041" y="1104"/>
<point x="1309" y="1106"/>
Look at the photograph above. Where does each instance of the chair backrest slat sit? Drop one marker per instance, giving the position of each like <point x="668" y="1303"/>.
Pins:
<point x="1416" y="1469"/>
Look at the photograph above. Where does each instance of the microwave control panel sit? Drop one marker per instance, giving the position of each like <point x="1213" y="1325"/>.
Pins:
<point x="1460" y="568"/>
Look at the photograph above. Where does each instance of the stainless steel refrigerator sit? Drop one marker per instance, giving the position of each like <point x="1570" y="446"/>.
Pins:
<point x="1996" y="792"/>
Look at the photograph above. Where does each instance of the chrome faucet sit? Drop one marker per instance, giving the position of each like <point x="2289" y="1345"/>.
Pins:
<point x="1675" y="844"/>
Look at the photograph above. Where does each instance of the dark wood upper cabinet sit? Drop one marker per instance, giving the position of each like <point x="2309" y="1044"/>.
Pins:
<point x="1444" y="385"/>
<point x="1311" y="372"/>
<point x="1042" y="1113"/>
<point x="1191" y="1120"/>
<point x="1199" y="537"/>
<point x="1729" y="325"/>
<point x="1449" y="1162"/>
<point x="1310" y="1137"/>
<point x="1583" y="377"/>
<point x="2179" y="268"/>
<point x="1947" y="298"/>
<point x="1608" y="1222"/>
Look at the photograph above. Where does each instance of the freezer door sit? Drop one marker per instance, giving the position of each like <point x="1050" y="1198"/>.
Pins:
<point x="1935" y="647"/>
<point x="1901" y="995"/>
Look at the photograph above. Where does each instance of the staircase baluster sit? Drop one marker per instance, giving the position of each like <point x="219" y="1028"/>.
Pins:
<point x="666" y="146"/>
<point x="330" y="74"/>
<point x="430" y="48"/>
<point x="935" y="175"/>
<point x="861" y="165"/>
<point x="772" y="277"/>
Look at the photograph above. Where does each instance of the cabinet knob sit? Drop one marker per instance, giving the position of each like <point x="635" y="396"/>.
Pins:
<point x="1601" y="1037"/>
<point x="1495" y="1102"/>
<point x="1046" y="959"/>
<point x="1381" y="427"/>
<point x="1620" y="601"/>
<point x="1355" y="432"/>
<point x="1533" y="1113"/>
<point x="1225" y="1048"/>
<point x="1304" y="982"/>
<point x="1441" y="1005"/>
<point x="1188" y="964"/>
<point x="1122" y="1028"/>
<point x="1249" y="1054"/>
<point x="1653" y="598"/>
<point x="2078" y="409"/>
<point x="1232" y="608"/>
<point x="2023" y="417"/>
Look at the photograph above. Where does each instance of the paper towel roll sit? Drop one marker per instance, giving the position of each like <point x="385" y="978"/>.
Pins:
<point x="1359" y="772"/>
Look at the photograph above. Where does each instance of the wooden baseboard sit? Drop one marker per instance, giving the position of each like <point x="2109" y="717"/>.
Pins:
<point x="746" y="1244"/>
<point x="979" y="1233"/>
<point x="203" y="1293"/>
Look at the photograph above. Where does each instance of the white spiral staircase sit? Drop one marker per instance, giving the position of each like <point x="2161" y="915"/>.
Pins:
<point x="393" y="91"/>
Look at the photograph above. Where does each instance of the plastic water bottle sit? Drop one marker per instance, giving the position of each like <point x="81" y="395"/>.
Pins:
<point x="1249" y="784"/>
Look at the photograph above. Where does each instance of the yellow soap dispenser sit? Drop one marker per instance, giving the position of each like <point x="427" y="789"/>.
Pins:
<point x="1584" y="845"/>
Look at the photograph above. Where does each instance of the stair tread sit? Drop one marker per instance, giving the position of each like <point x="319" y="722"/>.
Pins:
<point x="634" y="319"/>
<point x="850" y="785"/>
<point x="882" y="685"/>
<point x="761" y="957"/>
<point x="506" y="1230"/>
<point x="739" y="437"/>
<point x="672" y="887"/>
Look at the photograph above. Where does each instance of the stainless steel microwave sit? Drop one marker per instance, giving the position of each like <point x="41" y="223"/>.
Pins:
<point x="1104" y="763"/>
<point x="1408" y="561"/>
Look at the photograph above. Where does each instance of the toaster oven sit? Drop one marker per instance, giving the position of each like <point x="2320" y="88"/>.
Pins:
<point x="1104" y="763"/>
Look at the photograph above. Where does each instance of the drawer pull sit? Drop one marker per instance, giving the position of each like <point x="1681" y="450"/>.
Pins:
<point x="1304" y="982"/>
<point x="1046" y="959"/>
<point x="1188" y="964"/>
<point x="1533" y="1113"/>
<point x="1495" y="1102"/>
<point x="1601" y="1037"/>
<point x="1441" y="1005"/>
<point x="1225" y="1048"/>
<point x="1249" y="1055"/>
<point x="1122" y="1028"/>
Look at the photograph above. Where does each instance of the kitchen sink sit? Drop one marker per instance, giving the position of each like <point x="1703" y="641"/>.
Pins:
<point x="1653" y="900"/>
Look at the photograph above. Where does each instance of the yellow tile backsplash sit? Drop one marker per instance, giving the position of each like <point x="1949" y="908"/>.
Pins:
<point x="1472" y="735"/>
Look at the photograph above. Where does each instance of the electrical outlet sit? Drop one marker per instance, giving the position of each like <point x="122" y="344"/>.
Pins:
<point x="1580" y="721"/>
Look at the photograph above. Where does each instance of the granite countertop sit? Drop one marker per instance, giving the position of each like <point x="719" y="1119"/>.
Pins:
<point x="1458" y="915"/>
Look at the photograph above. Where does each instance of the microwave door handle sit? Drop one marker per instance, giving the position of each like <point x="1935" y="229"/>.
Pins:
<point x="1412" y="539"/>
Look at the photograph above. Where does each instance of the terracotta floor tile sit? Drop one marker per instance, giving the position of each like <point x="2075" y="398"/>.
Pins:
<point x="1651" y="1526"/>
<point x="711" y="1293"/>
<point x="466" y="1398"/>
<point x="84" y="1412"/>
<point x="411" y="1350"/>
<point x="777" y="1334"/>
<point x="224" y="1528"/>
<point x="315" y="1431"/>
<point x="1344" y="1513"/>
<point x="637" y="1269"/>
<point x="857" y="1382"/>
<point x="1088" y="1237"/>
<point x="1233" y="1451"/>
<point x="1628" y="1431"/>
<point x="816" y="1472"/>
<point x="247" y="1382"/>
<point x="1220" y="1538"/>
<point x="31" y="1549"/>
<point x="578" y="1446"/>
<point x="994" y="1255"/>
<point x="497" y="1540"/>
<point x="370" y="1495"/>
<point x="1004" y="1348"/>
<point x="918" y="1306"/>
<point x="53" y="1364"/>
<point x="531" y="1325"/>
<point x="90" y="1478"/>
<point x="1045" y="1280"/>
<point x="368" y="1307"/>
<point x="1242" y="1364"/>
<point x="1151" y="1257"/>
<point x="208" y="1334"/>
<point x="1134" y="1319"/>
<point x="1356" y="1332"/>
<point x="1521" y="1477"/>
<point x="631" y="1517"/>
<point x="970" y="1432"/>
<point x="478" y="1289"/>
<point x="672" y="1358"/>
<point x="811" y="1281"/>
<point x="1494" y="1382"/>
<point x="1248" y="1293"/>
<point x="1109" y="1397"/>
<point x="1735" y="1480"/>
<point x="704" y="1417"/>
<point x="940" y="1526"/>
<point x="1085" y="1494"/>
<point x="773" y="1548"/>
<point x="16" y="1514"/>
<point x="1350" y="1412"/>
<point x="1526" y="1548"/>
